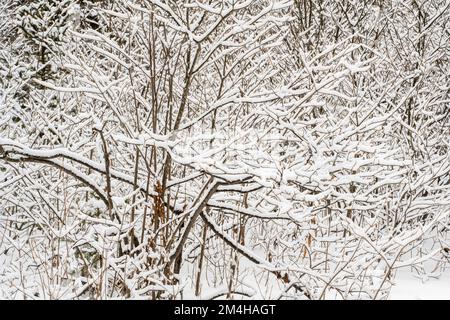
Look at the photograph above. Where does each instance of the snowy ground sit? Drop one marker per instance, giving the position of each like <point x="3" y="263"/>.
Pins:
<point x="410" y="287"/>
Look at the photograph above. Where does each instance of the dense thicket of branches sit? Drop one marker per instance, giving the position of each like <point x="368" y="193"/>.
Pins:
<point x="222" y="149"/>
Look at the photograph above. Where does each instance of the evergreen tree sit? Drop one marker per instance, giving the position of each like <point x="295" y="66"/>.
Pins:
<point x="42" y="25"/>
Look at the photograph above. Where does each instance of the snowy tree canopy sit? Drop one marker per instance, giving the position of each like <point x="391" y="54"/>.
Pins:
<point x="256" y="149"/>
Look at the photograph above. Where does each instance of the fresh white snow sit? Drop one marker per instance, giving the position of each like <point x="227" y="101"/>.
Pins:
<point x="409" y="286"/>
